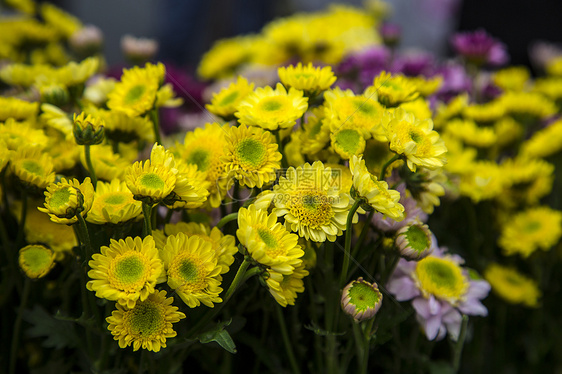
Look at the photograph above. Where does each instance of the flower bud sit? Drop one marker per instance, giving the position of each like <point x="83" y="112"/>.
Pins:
<point x="139" y="50"/>
<point x="36" y="260"/>
<point x="414" y="241"/>
<point x="54" y="94"/>
<point x="361" y="300"/>
<point x="87" y="41"/>
<point x="88" y="130"/>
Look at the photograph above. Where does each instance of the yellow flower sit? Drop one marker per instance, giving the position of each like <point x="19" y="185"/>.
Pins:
<point x="348" y="141"/>
<point x="441" y="277"/>
<point x="481" y="180"/>
<point x="166" y="97"/>
<point x="415" y="139"/>
<point x="426" y="86"/>
<point x="527" y="107"/>
<point x="486" y="113"/>
<point x="375" y="193"/>
<point x="393" y="90"/>
<point x="316" y="132"/>
<point x="225" y="103"/>
<point x="24" y="75"/>
<point x="512" y="286"/>
<point x="310" y="202"/>
<point x="453" y="109"/>
<point x="192" y="187"/>
<point x="251" y="156"/>
<point x="96" y="92"/>
<point x="146" y="325"/>
<point x="205" y="148"/>
<point x="418" y="107"/>
<point x="312" y="80"/>
<point x="33" y="167"/>
<point x="67" y="198"/>
<point x="149" y="182"/>
<point x="60" y="20"/>
<point x="108" y="165"/>
<point x="113" y="203"/>
<point x="554" y="66"/>
<point x="471" y="134"/>
<point x="75" y="73"/>
<point x="11" y="107"/>
<point x="426" y="186"/>
<point x="136" y="93"/>
<point x="121" y="127"/>
<point x="544" y="142"/>
<point x="530" y="230"/>
<point x="17" y="135"/>
<point x="64" y="153"/>
<point x="526" y="181"/>
<point x="342" y="178"/>
<point x="36" y="260"/>
<point x="192" y="270"/>
<point x="54" y="118"/>
<point x="550" y="87"/>
<point x="225" y="56"/>
<point x="513" y="78"/>
<point x="126" y="271"/>
<point x="272" y="109"/>
<point x="284" y="287"/>
<point x="267" y="241"/>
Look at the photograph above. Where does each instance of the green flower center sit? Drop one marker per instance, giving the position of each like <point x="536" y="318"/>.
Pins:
<point x="441" y="278"/>
<point x="251" y="153"/>
<point x="152" y="181"/>
<point x="129" y="270"/>
<point x="415" y="136"/>
<point x="532" y="226"/>
<point x="268" y="238"/>
<point x="201" y="158"/>
<point x="271" y="105"/>
<point x="315" y="129"/>
<point x="363" y="296"/>
<point x="115" y="199"/>
<point x="228" y="99"/>
<point x="364" y="107"/>
<point x="32" y="167"/>
<point x="417" y="238"/>
<point x="60" y="197"/>
<point x="188" y="270"/>
<point x="134" y="94"/>
<point x="348" y="140"/>
<point x="37" y="259"/>
<point x="304" y="75"/>
<point x="146" y="319"/>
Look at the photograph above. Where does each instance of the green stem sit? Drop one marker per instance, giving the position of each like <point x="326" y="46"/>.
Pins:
<point x="142" y="361"/>
<point x="17" y="326"/>
<point x="168" y="216"/>
<point x="23" y="215"/>
<point x="147" y="212"/>
<point x="284" y="162"/>
<point x="224" y="220"/>
<point x="83" y="229"/>
<point x="348" y="234"/>
<point x="286" y="340"/>
<point x="389" y="269"/>
<point x="156" y="125"/>
<point x="359" y="345"/>
<point x="460" y="344"/>
<point x="90" y="166"/>
<point x="363" y="234"/>
<point x="385" y="166"/>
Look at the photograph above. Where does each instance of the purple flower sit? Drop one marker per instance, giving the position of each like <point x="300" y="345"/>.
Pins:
<point x="363" y="66"/>
<point x="455" y="81"/>
<point x="479" y="48"/>
<point x="391" y="33"/>
<point x="414" y="63"/>
<point x="438" y="314"/>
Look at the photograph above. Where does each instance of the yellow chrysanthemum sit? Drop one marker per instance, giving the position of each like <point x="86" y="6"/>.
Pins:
<point x="415" y="139"/>
<point x="441" y="277"/>
<point x="554" y="66"/>
<point x="135" y="94"/>
<point x="96" y="92"/>
<point x="316" y="132"/>
<point x="64" y="153"/>
<point x="508" y="131"/>
<point x="471" y="134"/>
<point x="512" y="286"/>
<point x="426" y="86"/>
<point x="526" y="181"/>
<point x="272" y="108"/>
<point x="486" y="113"/>
<point x="341" y="177"/>
<point x="60" y="20"/>
<point x="24" y="75"/>
<point x="310" y="203"/>
<point x="544" y="142"/>
<point x="75" y="73"/>
<point x="36" y="260"/>
<point x="394" y="89"/>
<point x="33" y="167"/>
<point x="147" y="325"/>
<point x="530" y="230"/>
<point x="192" y="269"/>
<point x="375" y="193"/>
<point x="418" y="107"/>
<point x="426" y="187"/>
<point x="113" y="203"/>
<point x="166" y="97"/>
<point x="527" y="107"/>
<point x="151" y="182"/>
<point x="513" y="78"/>
<point x="453" y="109"/>
<point x="251" y="156"/>
<point x="267" y="241"/>
<point x="225" y="103"/>
<point x="11" y="107"/>
<point x="284" y="287"/>
<point x="108" y="165"/>
<point x="549" y="87"/>
<point x="192" y="187"/>
<point x="121" y="127"/>
<point x="225" y="56"/>
<point x="481" y="180"/>
<point x="126" y="271"/>
<point x="205" y="148"/>
<point x="309" y="79"/>
<point x="54" y="118"/>
<point x="19" y="134"/>
<point x="67" y="198"/>
<point x="347" y="141"/>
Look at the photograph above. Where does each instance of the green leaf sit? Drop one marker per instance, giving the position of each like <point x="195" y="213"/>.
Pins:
<point x="58" y="333"/>
<point x="219" y="335"/>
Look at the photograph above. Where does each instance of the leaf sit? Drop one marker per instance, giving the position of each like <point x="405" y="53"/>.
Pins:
<point x="321" y="332"/>
<point x="58" y="333"/>
<point x="219" y="335"/>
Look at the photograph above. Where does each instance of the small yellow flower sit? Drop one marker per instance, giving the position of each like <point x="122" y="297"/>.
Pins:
<point x="442" y="278"/>
<point x="530" y="230"/>
<point x="225" y="103"/>
<point x="316" y="132"/>
<point x="192" y="269"/>
<point x="482" y="180"/>
<point x="61" y="21"/>
<point x="309" y="79"/>
<point x="113" y="203"/>
<point x="11" y="107"/>
<point x="394" y="89"/>
<point x="33" y="167"/>
<point x="486" y="113"/>
<point x="147" y="324"/>
<point x="272" y="108"/>
<point x="67" y="198"/>
<point x="513" y="78"/>
<point x="527" y="107"/>
<point x="126" y="271"/>
<point x="348" y="141"/>
<point x="544" y="142"/>
<point x="17" y="135"/>
<point x="192" y="187"/>
<point x="121" y="127"/>
<point x="471" y="134"/>
<point x="225" y="56"/>
<point x="36" y="260"/>
<point x="149" y="182"/>
<point x="526" y="180"/>
<point x="284" y="288"/>
<point x="512" y="286"/>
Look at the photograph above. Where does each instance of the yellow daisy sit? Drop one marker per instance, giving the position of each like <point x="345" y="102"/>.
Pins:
<point x="33" y="167"/>
<point x="426" y="186"/>
<point x="267" y="241"/>
<point x="76" y="73"/>
<point x="96" y="92"/>
<point x="126" y="271"/>
<point x="441" y="277"/>
<point x="374" y="193"/>
<point x="513" y="78"/>
<point x="471" y="134"/>
<point x="527" y="107"/>
<point x="486" y="113"/>
<point x="19" y="134"/>
<point x="121" y="127"/>
<point x="225" y="56"/>
<point x="418" y="107"/>
<point x="225" y="103"/>
<point x="426" y="86"/>
<point x="54" y="118"/>
<point x="551" y="88"/>
<point x="64" y="153"/>
<point x="415" y="139"/>
<point x="113" y="203"/>
<point x="284" y="287"/>
<point x="310" y="202"/>
<point x="192" y="270"/>
<point x="453" y="109"/>
<point x="530" y="230"/>
<point x="135" y="93"/>
<point x="60" y="20"/>
<point x="309" y="79"/>
<point x="191" y="189"/>
<point x="11" y="107"/>
<point x="146" y="325"/>
<point x="512" y="286"/>
<point x="36" y="260"/>
<point x="251" y="156"/>
<point x="107" y="164"/>
<point x="347" y="141"/>
<point x="526" y="181"/>
<point x="67" y="198"/>
<point x="316" y="132"/>
<point x="272" y="108"/>
<point x="394" y="89"/>
<point x="150" y="183"/>
<point x="544" y="142"/>
<point x="481" y="180"/>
